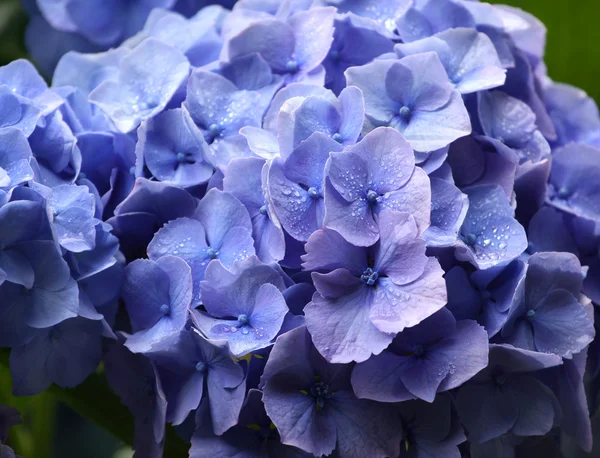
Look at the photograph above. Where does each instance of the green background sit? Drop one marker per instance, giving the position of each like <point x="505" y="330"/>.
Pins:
<point x="53" y="430"/>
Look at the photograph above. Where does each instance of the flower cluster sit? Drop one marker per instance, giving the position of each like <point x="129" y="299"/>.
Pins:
<point x="59" y="263"/>
<point x="337" y="227"/>
<point x="59" y="26"/>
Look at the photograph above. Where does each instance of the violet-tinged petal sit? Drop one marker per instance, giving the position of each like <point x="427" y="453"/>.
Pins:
<point x="245" y="179"/>
<point x="468" y="56"/>
<point x="73" y="217"/>
<point x="400" y="254"/>
<point x="313" y="31"/>
<point x="370" y="79"/>
<point x="430" y="131"/>
<point x="341" y="327"/>
<point x="148" y="78"/>
<point x="490" y="236"/>
<point x="395" y="307"/>
<point x="328" y="250"/>
<point x="246" y="309"/>
<point x="173" y="149"/>
<point x="219" y="108"/>
<point x="566" y="382"/>
<point x="574" y="188"/>
<point x="64" y="354"/>
<point x="449" y="208"/>
<point x="272" y="39"/>
<point x="189" y="233"/>
<point x="157" y="296"/>
<point x="218" y="211"/>
<point x="405" y="85"/>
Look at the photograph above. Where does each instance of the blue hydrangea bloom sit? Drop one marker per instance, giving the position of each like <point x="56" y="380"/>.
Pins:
<point x="244" y="305"/>
<point x="469" y="57"/>
<point x="544" y="298"/>
<point x="40" y="362"/>
<point x="204" y="236"/>
<point x="157" y="296"/>
<point x="490" y="236"/>
<point x="377" y="173"/>
<point x="506" y="396"/>
<point x="436" y="355"/>
<point x="193" y="369"/>
<point x="246" y="179"/>
<point x="149" y="76"/>
<point x="313" y="407"/>
<point x="296" y="185"/>
<point x="304" y="227"/>
<point x="219" y="108"/>
<point x="414" y="96"/>
<point x="293" y="47"/>
<point x="510" y="125"/>
<point x="173" y="149"/>
<point x="367" y="295"/>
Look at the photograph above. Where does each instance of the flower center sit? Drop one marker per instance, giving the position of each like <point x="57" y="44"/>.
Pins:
<point x="419" y="350"/>
<point x="291" y="66"/>
<point x="334" y="55"/>
<point x="404" y="112"/>
<point x="500" y="379"/>
<point x="243" y="319"/>
<point x="320" y="391"/>
<point x="372" y="196"/>
<point x="531" y="313"/>
<point x="563" y="193"/>
<point x="369" y="276"/>
<point x="337" y="137"/>
<point x="165" y="309"/>
<point x="212" y="253"/>
<point x="470" y="239"/>
<point x="263" y="210"/>
<point x="313" y="192"/>
<point x="201" y="367"/>
<point x="214" y="130"/>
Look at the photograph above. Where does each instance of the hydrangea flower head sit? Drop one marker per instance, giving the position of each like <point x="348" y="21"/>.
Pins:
<point x="295" y="228"/>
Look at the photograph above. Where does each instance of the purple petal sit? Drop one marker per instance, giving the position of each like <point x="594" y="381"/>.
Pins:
<point x="396" y="307"/>
<point x="341" y="328"/>
<point x="328" y="250"/>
